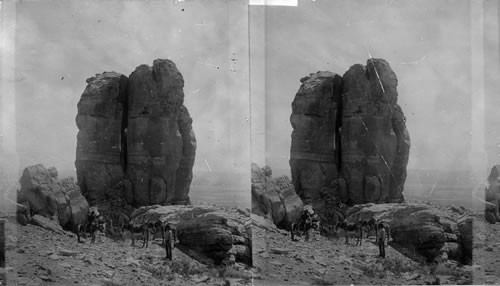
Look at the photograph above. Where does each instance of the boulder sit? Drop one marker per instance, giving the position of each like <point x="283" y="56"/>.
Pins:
<point x="274" y="197"/>
<point x="100" y="150"/>
<point x="42" y="193"/>
<point x="263" y="223"/>
<point x="78" y="206"/>
<point x="47" y="223"/>
<point x="209" y="230"/>
<point x="34" y="176"/>
<point x="314" y="119"/>
<point x="426" y="229"/>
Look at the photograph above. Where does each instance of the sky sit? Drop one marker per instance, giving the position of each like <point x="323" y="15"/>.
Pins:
<point x="227" y="52"/>
<point x="428" y="45"/>
<point x="59" y="44"/>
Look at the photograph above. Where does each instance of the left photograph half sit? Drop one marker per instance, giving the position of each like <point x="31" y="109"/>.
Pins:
<point x="125" y="143"/>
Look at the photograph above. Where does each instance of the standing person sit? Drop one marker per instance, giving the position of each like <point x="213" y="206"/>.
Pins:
<point x="381" y="240"/>
<point x="168" y="242"/>
<point x="308" y="226"/>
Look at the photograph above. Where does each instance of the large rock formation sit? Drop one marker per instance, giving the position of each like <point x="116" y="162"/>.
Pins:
<point x="274" y="197"/>
<point x="421" y="229"/>
<point x="349" y="141"/>
<point x="99" y="149"/>
<point x="375" y="143"/>
<point x="42" y="193"/>
<point x="135" y="132"/>
<point x="222" y="235"/>
<point x="314" y="156"/>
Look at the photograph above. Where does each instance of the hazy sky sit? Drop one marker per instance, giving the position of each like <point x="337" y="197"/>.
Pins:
<point x="427" y="43"/>
<point x="61" y="43"/>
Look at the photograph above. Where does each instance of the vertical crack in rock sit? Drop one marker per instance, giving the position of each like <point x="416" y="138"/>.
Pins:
<point x="124" y="101"/>
<point x="136" y="131"/>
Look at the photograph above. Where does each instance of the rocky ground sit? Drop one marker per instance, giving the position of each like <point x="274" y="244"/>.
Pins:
<point x="324" y="261"/>
<point x="36" y="256"/>
<point x="486" y="253"/>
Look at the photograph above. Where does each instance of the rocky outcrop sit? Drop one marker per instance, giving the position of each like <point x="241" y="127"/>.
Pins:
<point x="274" y="197"/>
<point x="373" y="137"/>
<point x="422" y="229"/>
<point x="349" y="141"/>
<point x="154" y="143"/>
<point x="47" y="223"/>
<point x="44" y="194"/>
<point x="222" y="235"/>
<point x="314" y="151"/>
<point x="2" y="242"/>
<point x="492" y="196"/>
<point x="136" y="132"/>
<point x="184" y="174"/>
<point x="401" y="157"/>
<point x="99" y="151"/>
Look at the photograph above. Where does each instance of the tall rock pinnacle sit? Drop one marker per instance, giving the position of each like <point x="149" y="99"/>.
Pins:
<point x="349" y="141"/>
<point x="136" y="131"/>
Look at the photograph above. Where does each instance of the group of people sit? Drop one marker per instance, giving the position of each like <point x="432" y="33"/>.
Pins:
<point x="95" y="222"/>
<point x="150" y="229"/>
<point x="310" y="221"/>
<point x="365" y="226"/>
<point x="147" y="231"/>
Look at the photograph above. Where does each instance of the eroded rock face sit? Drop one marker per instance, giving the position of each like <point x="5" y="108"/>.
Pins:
<point x="99" y="151"/>
<point x="374" y="142"/>
<point x="136" y="132"/>
<point x="274" y="197"/>
<point x="222" y="235"/>
<point x="314" y="119"/>
<point x="47" y="196"/>
<point x="420" y="227"/>
<point x="184" y="174"/>
<point x="154" y="143"/>
<point x="349" y="139"/>
<point x="492" y="196"/>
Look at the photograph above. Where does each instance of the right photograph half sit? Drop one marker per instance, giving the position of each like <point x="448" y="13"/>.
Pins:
<point x="375" y="142"/>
